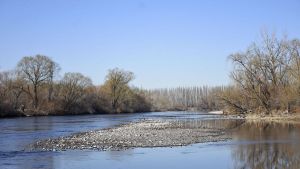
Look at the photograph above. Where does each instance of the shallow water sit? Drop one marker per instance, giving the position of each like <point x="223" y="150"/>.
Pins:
<point x="254" y="145"/>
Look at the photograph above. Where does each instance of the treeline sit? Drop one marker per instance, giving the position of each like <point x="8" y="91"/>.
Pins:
<point x="186" y="98"/>
<point x="266" y="79"/>
<point x="33" y="89"/>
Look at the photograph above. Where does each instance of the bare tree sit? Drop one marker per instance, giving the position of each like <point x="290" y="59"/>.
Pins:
<point x="36" y="70"/>
<point x="72" y="91"/>
<point x="11" y="91"/>
<point x="262" y="72"/>
<point x="184" y="98"/>
<point x="116" y="83"/>
<point x="294" y="51"/>
<point x="33" y="83"/>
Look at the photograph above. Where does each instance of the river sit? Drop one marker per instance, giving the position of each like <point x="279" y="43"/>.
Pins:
<point x="254" y="145"/>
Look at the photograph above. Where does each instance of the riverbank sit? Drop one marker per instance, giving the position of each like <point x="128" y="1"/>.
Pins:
<point x="150" y="133"/>
<point x="42" y="114"/>
<point x="278" y="118"/>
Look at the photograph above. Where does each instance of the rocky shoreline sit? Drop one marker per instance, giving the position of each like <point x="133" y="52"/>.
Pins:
<point x="149" y="133"/>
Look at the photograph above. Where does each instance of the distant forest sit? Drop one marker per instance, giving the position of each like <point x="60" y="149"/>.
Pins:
<point x="265" y="79"/>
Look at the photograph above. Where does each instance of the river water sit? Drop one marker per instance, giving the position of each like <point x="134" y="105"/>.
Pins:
<point x="254" y="145"/>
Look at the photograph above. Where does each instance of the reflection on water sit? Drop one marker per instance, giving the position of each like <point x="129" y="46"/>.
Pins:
<point x="208" y="123"/>
<point x="254" y="145"/>
<point x="267" y="145"/>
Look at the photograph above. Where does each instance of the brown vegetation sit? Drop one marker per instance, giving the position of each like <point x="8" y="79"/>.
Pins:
<point x="32" y="89"/>
<point x="266" y="80"/>
<point x="186" y="98"/>
<point x="266" y="77"/>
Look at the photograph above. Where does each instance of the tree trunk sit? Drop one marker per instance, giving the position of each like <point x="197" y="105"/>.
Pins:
<point x="35" y="103"/>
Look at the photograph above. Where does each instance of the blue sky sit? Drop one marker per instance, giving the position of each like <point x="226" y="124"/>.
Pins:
<point x="166" y="43"/>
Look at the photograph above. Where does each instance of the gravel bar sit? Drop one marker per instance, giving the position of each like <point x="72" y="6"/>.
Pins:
<point x="150" y="133"/>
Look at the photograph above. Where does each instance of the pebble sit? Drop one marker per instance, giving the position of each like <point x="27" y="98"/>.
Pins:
<point x="139" y="134"/>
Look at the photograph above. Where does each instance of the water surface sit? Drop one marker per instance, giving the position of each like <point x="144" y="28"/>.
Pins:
<point x="254" y="145"/>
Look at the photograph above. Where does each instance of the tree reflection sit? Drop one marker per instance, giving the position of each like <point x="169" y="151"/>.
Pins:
<point x="268" y="145"/>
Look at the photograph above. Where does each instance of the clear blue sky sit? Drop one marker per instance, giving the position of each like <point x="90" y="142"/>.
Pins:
<point x="166" y="43"/>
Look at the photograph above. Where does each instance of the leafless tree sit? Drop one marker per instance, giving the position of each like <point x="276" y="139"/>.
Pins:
<point x="36" y="70"/>
<point x="183" y="98"/>
<point x="116" y="84"/>
<point x="262" y="73"/>
<point x="73" y="86"/>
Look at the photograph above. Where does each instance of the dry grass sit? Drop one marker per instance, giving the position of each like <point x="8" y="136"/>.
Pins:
<point x="279" y="118"/>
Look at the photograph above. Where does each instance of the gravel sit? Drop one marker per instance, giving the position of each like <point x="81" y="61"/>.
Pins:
<point x="150" y="133"/>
